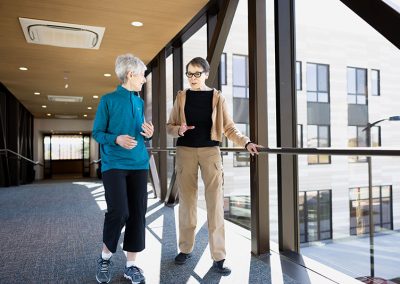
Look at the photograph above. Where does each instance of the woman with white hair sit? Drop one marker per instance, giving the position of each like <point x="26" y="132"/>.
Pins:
<point x="121" y="130"/>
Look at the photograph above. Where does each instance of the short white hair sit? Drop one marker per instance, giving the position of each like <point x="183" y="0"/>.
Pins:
<point x="126" y="63"/>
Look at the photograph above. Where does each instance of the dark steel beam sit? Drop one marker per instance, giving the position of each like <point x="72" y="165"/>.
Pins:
<point x="378" y="15"/>
<point x="286" y="112"/>
<point x="259" y="186"/>
<point x="220" y="34"/>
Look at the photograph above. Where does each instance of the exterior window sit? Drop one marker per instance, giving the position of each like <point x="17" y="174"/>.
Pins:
<point x="67" y="147"/>
<point x="358" y="138"/>
<point x="375" y="82"/>
<point x="240" y="82"/>
<point x="298" y="76"/>
<point x="376" y="136"/>
<point x="356" y="86"/>
<point x="315" y="215"/>
<point x="299" y="135"/>
<point x="317" y="83"/>
<point x="240" y="76"/>
<point x="222" y="70"/>
<point x="318" y="136"/>
<point x="382" y="205"/>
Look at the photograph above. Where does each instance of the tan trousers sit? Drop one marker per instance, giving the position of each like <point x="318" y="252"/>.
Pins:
<point x="188" y="160"/>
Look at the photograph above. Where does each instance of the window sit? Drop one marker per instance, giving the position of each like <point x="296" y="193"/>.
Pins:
<point x="358" y="138"/>
<point x="359" y="209"/>
<point x="375" y="82"/>
<point x="298" y="76"/>
<point x="318" y="136"/>
<point x="299" y="135"/>
<point x="67" y="147"/>
<point x="240" y="76"/>
<point x="356" y="86"/>
<point x="317" y="83"/>
<point x="376" y="136"/>
<point x="315" y="215"/>
<point x="222" y="70"/>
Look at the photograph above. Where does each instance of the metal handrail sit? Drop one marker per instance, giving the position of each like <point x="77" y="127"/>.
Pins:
<point x="359" y="151"/>
<point x="22" y="157"/>
<point x="95" y="161"/>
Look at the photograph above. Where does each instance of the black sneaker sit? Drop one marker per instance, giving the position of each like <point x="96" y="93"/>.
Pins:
<point x="135" y="274"/>
<point x="103" y="274"/>
<point x="219" y="267"/>
<point x="181" y="258"/>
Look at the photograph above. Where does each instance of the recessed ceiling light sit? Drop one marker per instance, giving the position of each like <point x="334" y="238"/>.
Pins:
<point x="137" y="24"/>
<point x="44" y="106"/>
<point x="95" y="97"/>
<point x="89" y="107"/>
<point x="107" y="75"/>
<point x="36" y="93"/>
<point x="85" y="115"/>
<point x="49" y="114"/>
<point x="23" y="68"/>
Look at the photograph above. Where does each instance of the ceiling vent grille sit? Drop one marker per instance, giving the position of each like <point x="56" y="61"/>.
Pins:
<point x="65" y="99"/>
<point x="61" y="34"/>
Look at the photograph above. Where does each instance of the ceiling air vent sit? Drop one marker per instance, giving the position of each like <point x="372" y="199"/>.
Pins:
<point x="61" y="34"/>
<point x="65" y="99"/>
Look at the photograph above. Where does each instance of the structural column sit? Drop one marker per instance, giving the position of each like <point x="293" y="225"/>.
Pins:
<point x="286" y="112"/>
<point x="259" y="174"/>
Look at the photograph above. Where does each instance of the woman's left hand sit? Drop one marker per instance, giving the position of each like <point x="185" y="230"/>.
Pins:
<point x="252" y="148"/>
<point x="148" y="129"/>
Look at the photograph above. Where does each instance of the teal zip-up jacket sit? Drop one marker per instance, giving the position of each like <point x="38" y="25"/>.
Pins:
<point x="118" y="113"/>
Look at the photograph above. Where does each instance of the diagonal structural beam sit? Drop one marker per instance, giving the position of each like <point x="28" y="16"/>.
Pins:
<point x="379" y="15"/>
<point x="224" y="22"/>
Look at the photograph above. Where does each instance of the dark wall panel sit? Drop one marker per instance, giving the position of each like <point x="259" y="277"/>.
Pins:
<point x="16" y="134"/>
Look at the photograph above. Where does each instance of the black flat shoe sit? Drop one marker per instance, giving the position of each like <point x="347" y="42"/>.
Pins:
<point x="181" y="258"/>
<point x="219" y="267"/>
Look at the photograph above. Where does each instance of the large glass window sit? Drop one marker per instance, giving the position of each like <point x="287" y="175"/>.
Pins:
<point x="356" y="85"/>
<point x="317" y="83"/>
<point x="195" y="46"/>
<point x="375" y="82"/>
<point x="381" y="206"/>
<point x="315" y="217"/>
<point x="240" y="76"/>
<point x="318" y="136"/>
<point x="66" y="147"/>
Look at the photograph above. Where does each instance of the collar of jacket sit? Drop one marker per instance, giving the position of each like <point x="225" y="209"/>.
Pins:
<point x="124" y="91"/>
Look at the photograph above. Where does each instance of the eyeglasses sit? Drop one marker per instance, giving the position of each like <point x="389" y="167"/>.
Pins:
<point x="196" y="74"/>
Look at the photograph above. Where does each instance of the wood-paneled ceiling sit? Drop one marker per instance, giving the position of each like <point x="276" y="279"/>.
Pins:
<point x="85" y="68"/>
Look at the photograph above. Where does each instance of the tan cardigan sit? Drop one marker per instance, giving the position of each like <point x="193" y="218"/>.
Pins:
<point x="222" y="122"/>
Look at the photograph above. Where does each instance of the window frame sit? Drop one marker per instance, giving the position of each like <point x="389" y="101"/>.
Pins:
<point x="305" y="216"/>
<point x="357" y="93"/>
<point x="317" y="91"/>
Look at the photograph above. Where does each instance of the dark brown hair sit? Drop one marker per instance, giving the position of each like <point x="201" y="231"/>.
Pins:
<point x="201" y="62"/>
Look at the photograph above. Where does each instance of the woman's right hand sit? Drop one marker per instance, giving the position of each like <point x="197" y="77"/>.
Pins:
<point x="126" y="141"/>
<point x="183" y="128"/>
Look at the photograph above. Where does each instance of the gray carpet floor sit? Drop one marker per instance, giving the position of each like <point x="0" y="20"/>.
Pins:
<point x="51" y="233"/>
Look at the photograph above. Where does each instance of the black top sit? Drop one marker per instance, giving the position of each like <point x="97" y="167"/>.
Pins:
<point x="198" y="110"/>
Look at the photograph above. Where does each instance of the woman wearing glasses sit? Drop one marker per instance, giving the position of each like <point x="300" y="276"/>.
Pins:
<point x="199" y="118"/>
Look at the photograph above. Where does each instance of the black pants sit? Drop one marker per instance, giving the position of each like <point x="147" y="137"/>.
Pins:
<point x="126" y="197"/>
